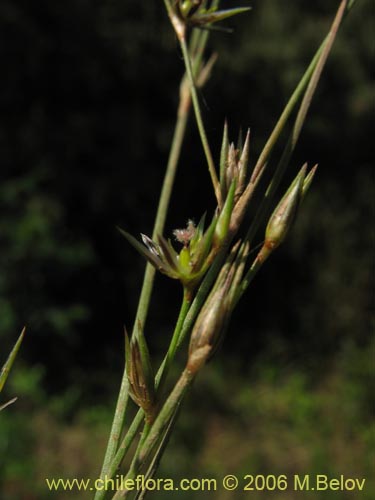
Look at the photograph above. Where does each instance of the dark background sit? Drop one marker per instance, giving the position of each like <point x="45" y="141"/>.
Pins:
<point x="88" y="93"/>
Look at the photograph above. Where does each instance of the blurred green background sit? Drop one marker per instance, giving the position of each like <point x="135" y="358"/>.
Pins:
<point x="88" y="93"/>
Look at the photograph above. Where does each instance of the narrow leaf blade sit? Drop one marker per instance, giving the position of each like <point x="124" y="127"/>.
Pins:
<point x="9" y="362"/>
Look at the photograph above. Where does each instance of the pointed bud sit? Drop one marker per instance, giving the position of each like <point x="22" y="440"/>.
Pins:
<point x="285" y="213"/>
<point x="308" y="180"/>
<point x="202" y="17"/>
<point x="188" y="7"/>
<point x="231" y="170"/>
<point x="140" y="374"/>
<point x="11" y="358"/>
<point x="233" y="164"/>
<point x="201" y="249"/>
<point x="223" y="161"/>
<point x="169" y="255"/>
<point x="222" y="225"/>
<point x="184" y="260"/>
<point x="209" y="327"/>
<point x="150" y="250"/>
<point x="242" y="165"/>
<point x="199" y="230"/>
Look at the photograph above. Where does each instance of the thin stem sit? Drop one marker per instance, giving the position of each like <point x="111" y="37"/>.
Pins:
<point x="158" y="454"/>
<point x="250" y="275"/>
<point x="186" y="326"/>
<point x="309" y="82"/>
<point x="161" y="422"/>
<point x="198" y="116"/>
<point x="164" y="419"/>
<point x="116" y="429"/>
<point x="315" y="77"/>
<point x="316" y="68"/>
<point x="135" y="462"/>
<point x="261" y="163"/>
<point x="307" y="79"/>
<point x="179" y="133"/>
<point x="113" y="455"/>
<point x="159" y="381"/>
<point x="166" y="413"/>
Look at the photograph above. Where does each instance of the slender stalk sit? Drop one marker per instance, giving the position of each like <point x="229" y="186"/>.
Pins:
<point x="308" y="84"/>
<point x="158" y="431"/>
<point x="116" y="429"/>
<point x="315" y="77"/>
<point x="159" y="381"/>
<point x="141" y="315"/>
<point x="261" y="163"/>
<point x="198" y="116"/>
<point x="250" y="275"/>
<point x="4" y="372"/>
<point x="158" y="454"/>
<point x="315" y="70"/>
<point x="186" y="326"/>
<point x="135" y="462"/>
<point x="161" y="422"/>
<point x="166" y="413"/>
<point x="179" y="133"/>
<point x="180" y="29"/>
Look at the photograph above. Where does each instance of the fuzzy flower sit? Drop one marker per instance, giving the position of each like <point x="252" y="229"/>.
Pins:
<point x="199" y="248"/>
<point x="187" y="265"/>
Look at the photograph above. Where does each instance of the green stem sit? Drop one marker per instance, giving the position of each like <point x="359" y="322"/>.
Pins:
<point x="114" y="456"/>
<point x="166" y="413"/>
<point x="158" y="454"/>
<point x="135" y="462"/>
<point x="250" y="275"/>
<point x="307" y="80"/>
<point x="161" y="422"/>
<point x="186" y="326"/>
<point x="198" y="116"/>
<point x="261" y="163"/>
<point x="159" y="381"/>
<point x="118" y="420"/>
<point x="163" y="372"/>
<point x="308" y="85"/>
<point x="310" y="80"/>
<point x="116" y="429"/>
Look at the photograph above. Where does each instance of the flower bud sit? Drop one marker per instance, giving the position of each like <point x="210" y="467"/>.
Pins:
<point x="188" y="7"/>
<point x="210" y="325"/>
<point x="140" y="374"/>
<point x="233" y="164"/>
<point x="222" y="225"/>
<point x="284" y="214"/>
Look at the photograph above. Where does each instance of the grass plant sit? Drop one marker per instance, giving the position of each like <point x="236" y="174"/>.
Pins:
<point x="215" y="260"/>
